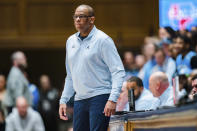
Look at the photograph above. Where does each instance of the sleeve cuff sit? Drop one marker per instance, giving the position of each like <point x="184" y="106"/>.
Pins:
<point x="62" y="101"/>
<point x="113" y="98"/>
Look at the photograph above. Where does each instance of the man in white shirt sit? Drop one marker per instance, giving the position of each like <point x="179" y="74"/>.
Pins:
<point x="164" y="64"/>
<point x="159" y="86"/>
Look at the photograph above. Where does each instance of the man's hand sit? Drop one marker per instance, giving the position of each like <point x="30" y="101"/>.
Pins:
<point x="110" y="108"/>
<point x="193" y="92"/>
<point x="62" y="112"/>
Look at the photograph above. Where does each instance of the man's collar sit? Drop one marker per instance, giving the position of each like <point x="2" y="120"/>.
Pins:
<point x="90" y="34"/>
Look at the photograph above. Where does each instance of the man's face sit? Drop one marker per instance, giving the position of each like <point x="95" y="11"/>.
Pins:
<point x="81" y="19"/>
<point x="179" y="45"/>
<point x="159" y="57"/>
<point x="172" y="52"/>
<point x="157" y="88"/>
<point x="152" y="87"/>
<point x="149" y="50"/>
<point x="194" y="83"/>
<point x="45" y="82"/>
<point x="22" y="110"/>
<point x="21" y="60"/>
<point x="133" y="85"/>
<point x="163" y="33"/>
<point x="128" y="58"/>
<point x="140" y="61"/>
<point x="194" y="86"/>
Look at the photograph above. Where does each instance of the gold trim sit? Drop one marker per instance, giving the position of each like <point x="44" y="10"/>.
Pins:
<point x="182" y="119"/>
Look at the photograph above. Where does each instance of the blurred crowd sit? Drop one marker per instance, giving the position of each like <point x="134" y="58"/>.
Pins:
<point x="25" y="106"/>
<point x="163" y="74"/>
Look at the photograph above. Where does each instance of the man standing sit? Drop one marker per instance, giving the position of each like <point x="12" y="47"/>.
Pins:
<point x="17" y="83"/>
<point x="94" y="71"/>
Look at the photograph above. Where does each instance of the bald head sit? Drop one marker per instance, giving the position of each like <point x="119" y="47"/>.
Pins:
<point x="22" y="106"/>
<point x="84" y="19"/>
<point x="89" y="9"/>
<point x="159" y="76"/>
<point x="21" y="101"/>
<point x="19" y="59"/>
<point x="158" y="83"/>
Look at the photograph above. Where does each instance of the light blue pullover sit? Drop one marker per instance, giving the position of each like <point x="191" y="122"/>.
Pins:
<point x="93" y="67"/>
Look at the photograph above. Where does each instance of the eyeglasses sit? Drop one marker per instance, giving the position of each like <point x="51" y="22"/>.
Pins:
<point x="80" y="16"/>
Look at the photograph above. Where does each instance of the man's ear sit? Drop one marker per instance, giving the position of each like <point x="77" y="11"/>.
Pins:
<point x="158" y="85"/>
<point x="92" y="19"/>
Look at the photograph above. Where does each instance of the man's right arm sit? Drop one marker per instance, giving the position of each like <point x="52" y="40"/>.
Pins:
<point x="67" y="93"/>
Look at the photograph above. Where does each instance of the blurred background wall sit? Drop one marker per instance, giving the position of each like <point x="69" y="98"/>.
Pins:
<point x="40" y="29"/>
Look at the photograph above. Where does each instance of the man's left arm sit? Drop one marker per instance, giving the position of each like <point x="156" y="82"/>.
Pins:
<point x="113" y="61"/>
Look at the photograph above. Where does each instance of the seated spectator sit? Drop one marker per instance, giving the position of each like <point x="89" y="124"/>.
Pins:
<point x="147" y="68"/>
<point x="129" y="65"/>
<point x="183" y="60"/>
<point x="24" y="118"/>
<point x="194" y="88"/>
<point x="149" y="50"/>
<point x="140" y="61"/>
<point x="150" y="39"/>
<point x="159" y="86"/>
<point x="166" y="32"/>
<point x="183" y="88"/>
<point x="165" y="45"/>
<point x="164" y="64"/>
<point x="143" y="97"/>
<point x="172" y="52"/>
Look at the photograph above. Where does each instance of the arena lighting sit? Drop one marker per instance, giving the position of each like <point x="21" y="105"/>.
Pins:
<point x="178" y="14"/>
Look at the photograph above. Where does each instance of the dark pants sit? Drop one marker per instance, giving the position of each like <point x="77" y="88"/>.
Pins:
<point x="89" y="116"/>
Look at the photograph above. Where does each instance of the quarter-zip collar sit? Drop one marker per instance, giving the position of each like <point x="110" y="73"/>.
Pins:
<point x="92" y="32"/>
